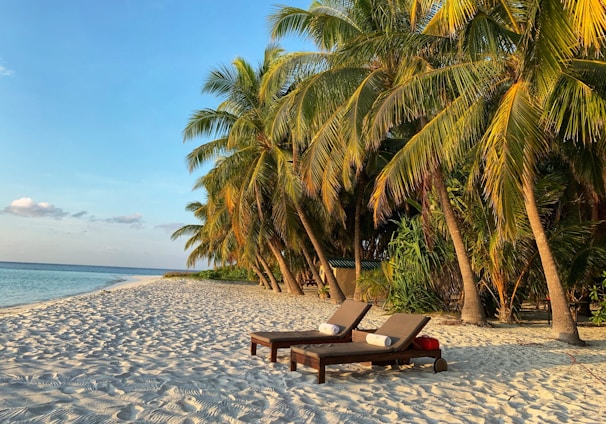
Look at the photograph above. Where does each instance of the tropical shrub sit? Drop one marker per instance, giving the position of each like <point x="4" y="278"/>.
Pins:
<point x="414" y="268"/>
<point x="376" y="284"/>
<point x="598" y="294"/>
<point x="233" y="273"/>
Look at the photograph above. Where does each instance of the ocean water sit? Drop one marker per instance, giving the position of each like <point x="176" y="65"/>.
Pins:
<point x="24" y="283"/>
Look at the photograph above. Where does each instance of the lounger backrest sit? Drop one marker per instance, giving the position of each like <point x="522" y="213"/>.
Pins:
<point x="402" y="329"/>
<point x="349" y="315"/>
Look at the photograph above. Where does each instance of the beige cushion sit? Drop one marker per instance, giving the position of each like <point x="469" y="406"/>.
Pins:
<point x="402" y="329"/>
<point x="339" y="349"/>
<point x="347" y="317"/>
<point x="290" y="336"/>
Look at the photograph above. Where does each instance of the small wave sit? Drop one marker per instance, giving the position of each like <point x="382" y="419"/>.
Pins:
<point x="22" y="285"/>
<point x="114" y="281"/>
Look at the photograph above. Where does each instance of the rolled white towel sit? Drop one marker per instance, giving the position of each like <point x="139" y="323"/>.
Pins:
<point x="327" y="328"/>
<point x="378" y="339"/>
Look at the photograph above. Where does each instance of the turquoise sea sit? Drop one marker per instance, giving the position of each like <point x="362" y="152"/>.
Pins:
<point x="23" y="283"/>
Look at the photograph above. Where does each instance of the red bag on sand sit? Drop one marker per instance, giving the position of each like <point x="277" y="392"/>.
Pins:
<point x="426" y="343"/>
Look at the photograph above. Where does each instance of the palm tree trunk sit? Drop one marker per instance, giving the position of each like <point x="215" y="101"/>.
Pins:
<point x="358" y="244"/>
<point x="472" y="311"/>
<point x="505" y="315"/>
<point x="312" y="265"/>
<point x="272" y="278"/>
<point x="563" y="326"/>
<point x="336" y="295"/>
<point x="289" y="279"/>
<point x="262" y="279"/>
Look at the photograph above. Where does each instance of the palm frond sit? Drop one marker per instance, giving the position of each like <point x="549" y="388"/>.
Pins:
<point x="485" y="37"/>
<point x="450" y="16"/>
<point x="443" y="140"/>
<point x="355" y="112"/>
<point x="204" y="152"/>
<point x="220" y="81"/>
<point x="592" y="73"/>
<point x="548" y="43"/>
<point x="327" y="23"/>
<point x="208" y="122"/>
<point x="323" y="153"/>
<point x="576" y="111"/>
<point x="510" y="147"/>
<point x="425" y="93"/>
<point x="589" y="22"/>
<point x="290" y="69"/>
<point x="186" y="230"/>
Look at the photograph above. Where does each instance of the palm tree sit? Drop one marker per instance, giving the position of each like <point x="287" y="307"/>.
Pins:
<point x="212" y="239"/>
<point x="529" y="107"/>
<point x="325" y="167"/>
<point x="544" y="105"/>
<point x="363" y="59"/>
<point x="247" y="175"/>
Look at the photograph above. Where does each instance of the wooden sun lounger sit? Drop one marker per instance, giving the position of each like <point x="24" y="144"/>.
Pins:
<point x="401" y="328"/>
<point x="347" y="317"/>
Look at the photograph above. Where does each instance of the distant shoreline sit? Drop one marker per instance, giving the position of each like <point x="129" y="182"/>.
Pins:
<point x="161" y="271"/>
<point x="24" y="283"/>
<point x="135" y="281"/>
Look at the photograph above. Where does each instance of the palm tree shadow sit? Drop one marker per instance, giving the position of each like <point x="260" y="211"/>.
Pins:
<point x="498" y="359"/>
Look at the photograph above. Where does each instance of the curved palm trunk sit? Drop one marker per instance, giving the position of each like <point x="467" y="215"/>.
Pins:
<point x="504" y="312"/>
<point x="312" y="265"/>
<point x="563" y="326"/>
<point x="262" y="279"/>
<point x="472" y="311"/>
<point x="272" y="278"/>
<point x="358" y="246"/>
<point x="336" y="295"/>
<point x="289" y="279"/>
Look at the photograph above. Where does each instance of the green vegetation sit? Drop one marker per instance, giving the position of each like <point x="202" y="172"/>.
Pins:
<point x="463" y="142"/>
<point x="599" y="295"/>
<point x="231" y="273"/>
<point x="174" y="274"/>
<point x="226" y="273"/>
<point x="414" y="268"/>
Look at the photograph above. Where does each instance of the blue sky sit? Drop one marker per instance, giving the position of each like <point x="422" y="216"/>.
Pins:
<point x="94" y="96"/>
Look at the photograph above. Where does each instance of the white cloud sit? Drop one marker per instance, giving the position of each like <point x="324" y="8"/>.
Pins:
<point x="26" y="207"/>
<point x="127" y="219"/>
<point x="5" y="72"/>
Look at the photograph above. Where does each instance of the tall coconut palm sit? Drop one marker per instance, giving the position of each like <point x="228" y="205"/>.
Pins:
<point x="316" y="106"/>
<point x="530" y="107"/>
<point x="363" y="45"/>
<point x="248" y="173"/>
<point x="547" y="102"/>
<point x="216" y="239"/>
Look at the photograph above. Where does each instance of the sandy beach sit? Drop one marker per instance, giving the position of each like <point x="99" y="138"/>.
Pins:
<point x="177" y="351"/>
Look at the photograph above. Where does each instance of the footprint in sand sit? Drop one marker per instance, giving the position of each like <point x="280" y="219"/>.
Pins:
<point x="113" y="390"/>
<point x="129" y="412"/>
<point x="189" y="404"/>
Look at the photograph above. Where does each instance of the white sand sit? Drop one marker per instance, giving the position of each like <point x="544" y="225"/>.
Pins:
<point x="177" y="351"/>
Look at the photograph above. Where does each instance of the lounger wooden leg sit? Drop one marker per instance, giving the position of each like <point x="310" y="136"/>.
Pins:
<point x="273" y="356"/>
<point x="253" y="348"/>
<point x="321" y="374"/>
<point x="293" y="365"/>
